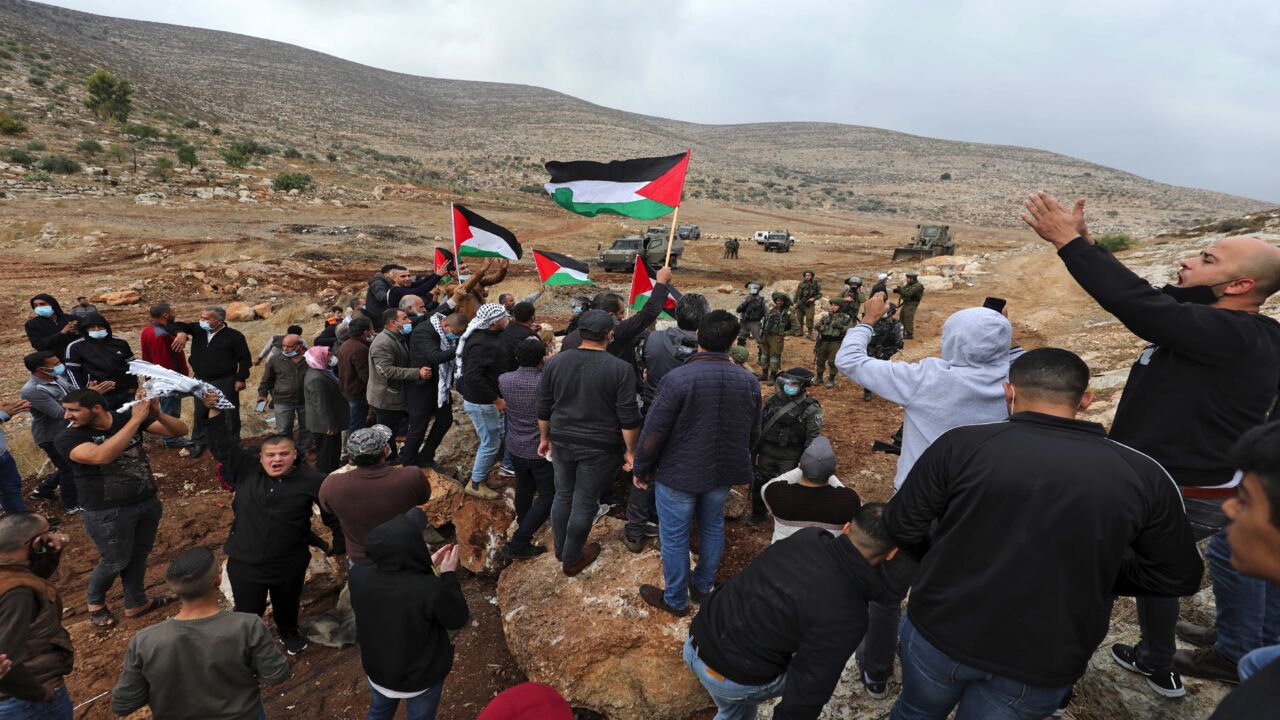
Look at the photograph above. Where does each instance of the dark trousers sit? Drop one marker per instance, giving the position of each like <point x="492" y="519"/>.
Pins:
<point x="535" y="491"/>
<point x="200" y="436"/>
<point x="328" y="452"/>
<point x="880" y="644"/>
<point x="124" y="537"/>
<point x="424" y="412"/>
<point x="1158" y="616"/>
<point x="582" y="473"/>
<point x="640" y="512"/>
<point x="285" y="590"/>
<point x="359" y="414"/>
<point x="393" y="419"/>
<point x="63" y="478"/>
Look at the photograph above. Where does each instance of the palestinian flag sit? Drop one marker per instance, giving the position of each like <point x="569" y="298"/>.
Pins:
<point x="644" y="189"/>
<point x="642" y="282"/>
<point x="445" y="257"/>
<point x="474" y="236"/>
<point x="557" y="269"/>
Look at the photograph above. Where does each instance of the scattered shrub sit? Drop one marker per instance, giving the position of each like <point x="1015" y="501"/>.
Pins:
<point x="1112" y="213"/>
<point x="235" y="158"/>
<point x="108" y="96"/>
<point x="38" y="176"/>
<point x="35" y="81"/>
<point x="945" y="176"/>
<point x="216" y="131"/>
<point x="1115" y="242"/>
<point x="191" y="124"/>
<point x="20" y="156"/>
<point x="118" y="153"/>
<point x="45" y="55"/>
<point x="140" y="131"/>
<point x="331" y="157"/>
<point x="249" y="146"/>
<point x="1232" y="224"/>
<point x="532" y="189"/>
<point x="291" y="181"/>
<point x="161" y="167"/>
<point x="292" y="153"/>
<point x="36" y="146"/>
<point x="59" y="164"/>
<point x="11" y="126"/>
<point x="89" y="147"/>
<point x="187" y="156"/>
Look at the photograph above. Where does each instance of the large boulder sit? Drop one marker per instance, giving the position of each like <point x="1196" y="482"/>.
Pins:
<point x="1109" y="691"/>
<point x="458" y="450"/>
<point x="240" y="312"/>
<point x="594" y="640"/>
<point x="482" y="528"/>
<point x="445" y="495"/>
<point x="121" y="297"/>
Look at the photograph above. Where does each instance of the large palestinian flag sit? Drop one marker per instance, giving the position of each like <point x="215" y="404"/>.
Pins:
<point x="642" y="282"/>
<point x="475" y="236"/>
<point x="644" y="188"/>
<point x="557" y="269"/>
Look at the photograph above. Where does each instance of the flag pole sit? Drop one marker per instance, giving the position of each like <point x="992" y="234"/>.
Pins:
<point x="671" y="236"/>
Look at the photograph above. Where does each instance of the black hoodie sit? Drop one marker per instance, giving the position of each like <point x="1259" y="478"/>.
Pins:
<point x="99" y="360"/>
<point x="46" y="333"/>
<point x="403" y="609"/>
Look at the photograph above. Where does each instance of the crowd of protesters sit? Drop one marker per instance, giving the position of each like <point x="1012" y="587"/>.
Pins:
<point x="1013" y="524"/>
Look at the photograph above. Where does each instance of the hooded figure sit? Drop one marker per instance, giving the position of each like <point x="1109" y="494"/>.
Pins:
<point x="44" y="332"/>
<point x="98" y="357"/>
<point x="963" y="387"/>
<point x="403" y="609"/>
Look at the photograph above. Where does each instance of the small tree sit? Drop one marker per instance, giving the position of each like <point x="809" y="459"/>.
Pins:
<point x="331" y="157"/>
<point x="161" y="167"/>
<point x="140" y="130"/>
<point x="291" y="181"/>
<point x="235" y="157"/>
<point x="117" y="153"/>
<point x="946" y="176"/>
<point x="88" y="147"/>
<point x="187" y="156"/>
<point x="108" y="96"/>
<point x="1115" y="242"/>
<point x="292" y="153"/>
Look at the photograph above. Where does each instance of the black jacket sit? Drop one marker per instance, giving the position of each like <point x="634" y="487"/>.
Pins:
<point x="46" y="333"/>
<point x="513" y="336"/>
<point x="403" y="609"/>
<point x="99" y="360"/>
<point x="272" y="515"/>
<point x="800" y="607"/>
<point x="227" y="355"/>
<point x="327" y="337"/>
<point x="424" y="346"/>
<point x="375" y="299"/>
<point x="627" y="332"/>
<point x="1209" y="374"/>
<point x="1039" y="522"/>
<point x="484" y="358"/>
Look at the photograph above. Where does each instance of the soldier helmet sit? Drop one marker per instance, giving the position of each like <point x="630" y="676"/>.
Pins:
<point x="754" y="287"/>
<point x="808" y="272"/>
<point x="781" y="296"/>
<point x="853" y="280"/>
<point x="794" y="381"/>
<point x="739" y="354"/>
<point x="913" y="275"/>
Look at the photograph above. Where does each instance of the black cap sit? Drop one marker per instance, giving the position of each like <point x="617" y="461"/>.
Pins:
<point x="595" y="325"/>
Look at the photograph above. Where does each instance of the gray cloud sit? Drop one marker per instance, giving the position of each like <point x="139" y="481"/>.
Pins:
<point x="1182" y="92"/>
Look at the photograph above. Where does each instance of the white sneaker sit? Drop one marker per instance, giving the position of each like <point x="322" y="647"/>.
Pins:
<point x="601" y="512"/>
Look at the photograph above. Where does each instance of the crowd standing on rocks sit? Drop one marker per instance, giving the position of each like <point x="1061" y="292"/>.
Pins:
<point x="1014" y="524"/>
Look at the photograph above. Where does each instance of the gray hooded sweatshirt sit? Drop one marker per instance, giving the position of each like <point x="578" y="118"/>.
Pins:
<point x="963" y="387"/>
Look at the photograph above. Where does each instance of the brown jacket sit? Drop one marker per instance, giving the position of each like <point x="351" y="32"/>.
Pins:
<point x="31" y="629"/>
<point x="353" y="368"/>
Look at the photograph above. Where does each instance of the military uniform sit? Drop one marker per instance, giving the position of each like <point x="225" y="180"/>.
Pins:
<point x="910" y="294"/>
<point x="733" y="249"/>
<point x="851" y="301"/>
<point x="782" y="444"/>
<point x="728" y="249"/>
<point x="751" y="311"/>
<point x="806" y="298"/>
<point x="831" y="329"/>
<point x="775" y="327"/>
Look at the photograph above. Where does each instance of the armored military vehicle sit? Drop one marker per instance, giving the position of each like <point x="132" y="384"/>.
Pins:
<point x="930" y="241"/>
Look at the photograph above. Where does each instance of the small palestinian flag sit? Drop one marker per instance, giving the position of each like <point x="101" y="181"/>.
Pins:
<point x="474" y="236"/>
<point x="644" y="188"/>
<point x="557" y="269"/>
<point x="445" y="257"/>
<point x="642" y="282"/>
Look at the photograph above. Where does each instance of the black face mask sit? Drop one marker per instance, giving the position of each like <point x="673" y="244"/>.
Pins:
<point x="1196" y="295"/>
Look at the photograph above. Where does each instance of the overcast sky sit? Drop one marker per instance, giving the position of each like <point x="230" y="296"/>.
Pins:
<point x="1181" y="91"/>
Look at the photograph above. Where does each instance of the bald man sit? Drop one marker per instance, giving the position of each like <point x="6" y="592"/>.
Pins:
<point x="1210" y="373"/>
<point x="283" y="381"/>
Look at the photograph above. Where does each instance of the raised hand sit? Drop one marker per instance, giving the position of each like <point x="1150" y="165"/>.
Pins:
<point x="1052" y="221"/>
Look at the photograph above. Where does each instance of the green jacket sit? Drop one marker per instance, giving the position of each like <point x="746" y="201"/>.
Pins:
<point x="850" y="301"/>
<point x="832" y="326"/>
<point x="778" y="322"/>
<point x="807" y="292"/>
<point x="911" y="293"/>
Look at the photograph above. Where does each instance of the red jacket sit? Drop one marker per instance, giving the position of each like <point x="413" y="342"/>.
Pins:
<point x="156" y="349"/>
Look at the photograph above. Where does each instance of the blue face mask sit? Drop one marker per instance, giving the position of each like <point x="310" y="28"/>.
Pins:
<point x="58" y="369"/>
<point x="205" y="326"/>
<point x="44" y="311"/>
<point x="406" y="328"/>
<point x="291" y="354"/>
<point x="98" y="334"/>
<point x="791" y="390"/>
<point x="450" y="335"/>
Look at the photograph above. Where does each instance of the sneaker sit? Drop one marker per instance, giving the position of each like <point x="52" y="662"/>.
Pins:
<point x="1196" y="634"/>
<point x="831" y="383"/>
<point x="601" y="512"/>
<point x="589" y="554"/>
<point x="1062" y="706"/>
<point x="447" y="472"/>
<point x="1165" y="682"/>
<point x="481" y="491"/>
<point x="74" y="510"/>
<point x="698" y="596"/>
<point x="651" y="529"/>
<point x="876" y="687"/>
<point x="652" y="596"/>
<point x="506" y="471"/>
<point x="38" y="494"/>
<point x="195" y="450"/>
<point x="294" y="644"/>
<point x="635" y="546"/>
<point x="528" y="553"/>
<point x="1207" y="663"/>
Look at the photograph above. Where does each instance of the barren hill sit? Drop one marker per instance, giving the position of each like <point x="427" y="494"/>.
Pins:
<point x="300" y="97"/>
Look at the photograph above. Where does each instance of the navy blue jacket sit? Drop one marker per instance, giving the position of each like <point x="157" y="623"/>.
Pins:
<point x="703" y="423"/>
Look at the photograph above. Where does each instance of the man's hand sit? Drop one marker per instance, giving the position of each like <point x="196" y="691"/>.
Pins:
<point x="544" y="448"/>
<point x="664" y="275"/>
<point x="179" y="342"/>
<point x="104" y="386"/>
<point x="72" y="326"/>
<point x="13" y="407"/>
<point x="424" y="373"/>
<point x="458" y="295"/>
<point x="55" y="541"/>
<point x="210" y="401"/>
<point x="1052" y="221"/>
<point x="628" y="461"/>
<point x="446" y="558"/>
<point x="639" y="483"/>
<point x="239" y="385"/>
<point x="262" y="398"/>
<point x="500" y="404"/>
<point x="140" y="413"/>
<point x="874" y="308"/>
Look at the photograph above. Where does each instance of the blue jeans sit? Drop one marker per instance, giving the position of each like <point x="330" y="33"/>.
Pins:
<point x="676" y="512"/>
<point x="10" y="484"/>
<point x="172" y="405"/>
<point x="359" y="414"/>
<point x="488" y="423"/>
<point x="422" y="707"/>
<point x="733" y="701"/>
<point x="57" y="709"/>
<point x="506" y="451"/>
<point x="933" y="684"/>
<point x="1256" y="660"/>
<point x="1248" y="608"/>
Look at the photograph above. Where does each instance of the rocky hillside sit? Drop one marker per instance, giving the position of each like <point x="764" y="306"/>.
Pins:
<point x="491" y="136"/>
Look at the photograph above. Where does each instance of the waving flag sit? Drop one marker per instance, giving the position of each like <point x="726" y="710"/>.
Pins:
<point x="475" y="236"/>
<point x="557" y="269"/>
<point x="445" y="257"/>
<point x="642" y="282"/>
<point x="644" y="188"/>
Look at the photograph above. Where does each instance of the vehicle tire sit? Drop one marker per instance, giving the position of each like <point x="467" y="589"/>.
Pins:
<point x="675" y="261"/>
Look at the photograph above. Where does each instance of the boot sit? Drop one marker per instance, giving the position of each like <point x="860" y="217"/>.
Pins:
<point x="866" y="395"/>
<point x="819" y="380"/>
<point x="831" y="382"/>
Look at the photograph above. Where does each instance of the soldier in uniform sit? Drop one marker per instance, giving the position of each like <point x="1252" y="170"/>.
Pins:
<point x="851" y="299"/>
<point x="728" y="248"/>
<point x="806" y="299"/>
<point x="831" y="328"/>
<point x="751" y="311"/>
<point x="790" y="421"/>
<point x="734" y="249"/>
<point x="910" y="294"/>
<point x="777" y="324"/>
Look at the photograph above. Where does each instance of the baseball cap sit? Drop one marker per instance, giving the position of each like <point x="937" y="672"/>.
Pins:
<point x="884" y="276"/>
<point x="818" y="461"/>
<point x="595" y="325"/>
<point x="368" y="441"/>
